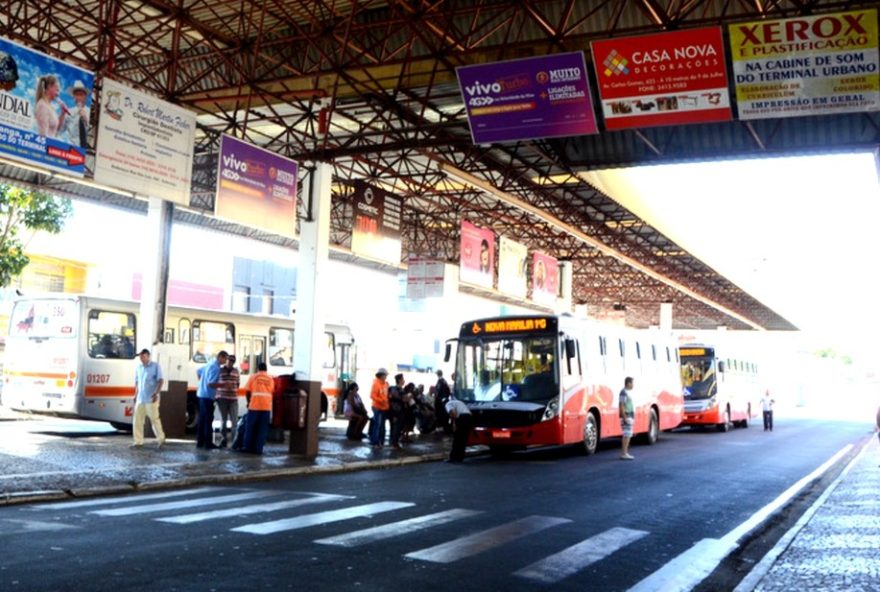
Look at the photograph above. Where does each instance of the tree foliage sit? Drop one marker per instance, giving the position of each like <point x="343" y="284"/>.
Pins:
<point x="23" y="210"/>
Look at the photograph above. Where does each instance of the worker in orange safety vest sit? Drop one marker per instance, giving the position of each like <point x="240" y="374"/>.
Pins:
<point x="259" y="390"/>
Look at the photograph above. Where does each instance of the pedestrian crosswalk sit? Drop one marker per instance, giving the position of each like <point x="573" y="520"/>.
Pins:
<point x="263" y="512"/>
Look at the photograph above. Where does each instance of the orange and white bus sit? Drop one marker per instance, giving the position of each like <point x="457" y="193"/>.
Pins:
<point x="717" y="392"/>
<point x="74" y="356"/>
<point x="549" y="380"/>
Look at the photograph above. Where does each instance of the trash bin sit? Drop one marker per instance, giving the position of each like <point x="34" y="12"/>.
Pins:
<point x="172" y="411"/>
<point x="296" y="406"/>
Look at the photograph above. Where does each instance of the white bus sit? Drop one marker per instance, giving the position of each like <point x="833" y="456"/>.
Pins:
<point x="75" y="356"/>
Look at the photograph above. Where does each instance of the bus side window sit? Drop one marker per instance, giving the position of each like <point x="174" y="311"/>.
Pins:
<point x="621" y="347"/>
<point x="209" y="337"/>
<point x="577" y="343"/>
<point x="183" y="327"/>
<point x="169" y="336"/>
<point x="653" y="352"/>
<point x="111" y="335"/>
<point x="280" y="346"/>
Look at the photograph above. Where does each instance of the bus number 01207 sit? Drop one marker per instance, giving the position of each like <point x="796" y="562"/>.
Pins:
<point x="97" y="378"/>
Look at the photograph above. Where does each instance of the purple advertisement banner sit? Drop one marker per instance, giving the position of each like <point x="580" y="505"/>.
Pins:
<point x="540" y="97"/>
<point x="256" y="188"/>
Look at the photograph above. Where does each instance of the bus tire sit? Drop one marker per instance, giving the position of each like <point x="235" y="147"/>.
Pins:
<point x="725" y="425"/>
<point x="591" y="434"/>
<point x="653" y="434"/>
<point x="745" y="422"/>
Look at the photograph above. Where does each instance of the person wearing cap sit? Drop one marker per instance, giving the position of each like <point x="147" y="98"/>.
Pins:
<point x="209" y="380"/>
<point x="227" y="399"/>
<point x="148" y="383"/>
<point x="462" y="423"/>
<point x="379" y="399"/>
<point x="77" y="123"/>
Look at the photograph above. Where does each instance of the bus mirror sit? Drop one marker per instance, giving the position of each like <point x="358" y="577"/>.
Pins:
<point x="448" y="353"/>
<point x="721" y="366"/>
<point x="570" y="349"/>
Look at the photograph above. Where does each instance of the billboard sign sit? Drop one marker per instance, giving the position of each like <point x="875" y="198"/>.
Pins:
<point x="145" y="145"/>
<point x="477" y="256"/>
<point x="810" y="65"/>
<point x="664" y="79"/>
<point x="424" y="277"/>
<point x="256" y="187"/>
<point x="545" y="279"/>
<point x="377" y="221"/>
<point x="540" y="97"/>
<point x="512" y="263"/>
<point x="44" y="110"/>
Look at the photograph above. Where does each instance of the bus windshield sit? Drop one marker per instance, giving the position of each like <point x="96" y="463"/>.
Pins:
<point x="43" y="318"/>
<point x="698" y="377"/>
<point x="513" y="369"/>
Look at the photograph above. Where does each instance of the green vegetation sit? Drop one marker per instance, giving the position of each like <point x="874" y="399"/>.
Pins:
<point x="25" y="210"/>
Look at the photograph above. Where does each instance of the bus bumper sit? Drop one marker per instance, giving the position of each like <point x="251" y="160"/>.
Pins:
<point x="546" y="433"/>
<point x="706" y="417"/>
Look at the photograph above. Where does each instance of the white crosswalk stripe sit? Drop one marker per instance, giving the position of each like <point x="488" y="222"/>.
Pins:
<point x="103" y="501"/>
<point x="321" y="518"/>
<point x="252" y="509"/>
<point x="488" y="539"/>
<point x="575" y="558"/>
<point x="191" y="503"/>
<point x="387" y="531"/>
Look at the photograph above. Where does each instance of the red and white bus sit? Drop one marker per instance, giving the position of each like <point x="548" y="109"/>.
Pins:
<point x="717" y="392"/>
<point x="549" y="380"/>
<point x="74" y="356"/>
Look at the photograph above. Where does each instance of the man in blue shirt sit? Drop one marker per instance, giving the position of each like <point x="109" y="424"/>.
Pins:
<point x="209" y="380"/>
<point x="148" y="383"/>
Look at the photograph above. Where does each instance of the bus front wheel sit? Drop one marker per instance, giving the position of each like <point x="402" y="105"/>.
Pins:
<point x="725" y="425"/>
<point x="591" y="434"/>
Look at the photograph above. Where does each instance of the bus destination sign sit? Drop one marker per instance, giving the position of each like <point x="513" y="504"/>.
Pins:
<point x="692" y="351"/>
<point x="511" y="325"/>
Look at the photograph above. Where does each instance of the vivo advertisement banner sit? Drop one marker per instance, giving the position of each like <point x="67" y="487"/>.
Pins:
<point x="145" y="145"/>
<point x="44" y="110"/>
<point x="256" y="187"/>
<point x="663" y="79"/>
<point x="378" y="216"/>
<point x="540" y="97"/>
<point x="477" y="257"/>
<point x="810" y="65"/>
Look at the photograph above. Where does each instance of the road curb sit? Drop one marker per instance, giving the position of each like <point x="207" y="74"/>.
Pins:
<point x="25" y="497"/>
<point x="8" y="499"/>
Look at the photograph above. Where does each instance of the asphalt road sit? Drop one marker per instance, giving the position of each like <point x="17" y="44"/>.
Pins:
<point x="550" y="519"/>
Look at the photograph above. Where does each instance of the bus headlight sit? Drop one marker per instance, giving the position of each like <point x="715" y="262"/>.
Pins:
<point x="711" y="403"/>
<point x="552" y="410"/>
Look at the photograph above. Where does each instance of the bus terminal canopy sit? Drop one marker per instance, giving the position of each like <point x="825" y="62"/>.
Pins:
<point x="372" y="88"/>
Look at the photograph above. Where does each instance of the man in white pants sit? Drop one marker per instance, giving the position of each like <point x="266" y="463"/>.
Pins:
<point x="147" y="385"/>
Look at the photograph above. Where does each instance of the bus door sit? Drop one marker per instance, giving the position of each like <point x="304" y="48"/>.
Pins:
<point x="251" y="352"/>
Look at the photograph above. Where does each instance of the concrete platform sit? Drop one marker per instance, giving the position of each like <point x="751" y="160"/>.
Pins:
<point x="49" y="458"/>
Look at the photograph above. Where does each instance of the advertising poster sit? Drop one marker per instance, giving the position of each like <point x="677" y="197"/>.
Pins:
<point x="477" y="265"/>
<point x="512" y="263"/>
<point x="145" y="145"/>
<point x="545" y="279"/>
<point x="810" y="65"/>
<point x="44" y="110"/>
<point x="540" y="97"/>
<point x="256" y="187"/>
<point x="424" y="277"/>
<point x="377" y="221"/>
<point x="663" y="79"/>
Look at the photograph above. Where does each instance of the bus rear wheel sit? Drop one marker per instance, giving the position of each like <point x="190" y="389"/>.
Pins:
<point x="591" y="434"/>
<point x="653" y="433"/>
<point x="726" y="424"/>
